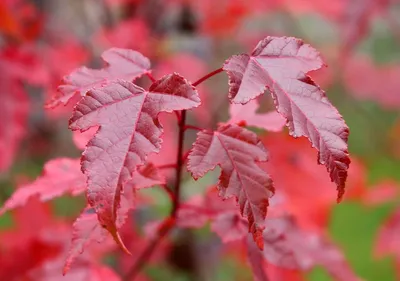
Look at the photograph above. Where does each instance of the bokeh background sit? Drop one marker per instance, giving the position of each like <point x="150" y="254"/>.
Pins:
<point x="43" y="40"/>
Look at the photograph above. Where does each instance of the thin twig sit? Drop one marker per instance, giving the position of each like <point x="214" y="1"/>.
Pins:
<point x="151" y="77"/>
<point x="202" y="79"/>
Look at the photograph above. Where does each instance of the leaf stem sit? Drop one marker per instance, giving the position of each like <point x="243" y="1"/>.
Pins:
<point x="151" y="77"/>
<point x="169" y="223"/>
<point x="191" y="127"/>
<point x="202" y="79"/>
<point x="179" y="162"/>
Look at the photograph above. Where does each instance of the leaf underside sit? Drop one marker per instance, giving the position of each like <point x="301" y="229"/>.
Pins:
<point x="280" y="64"/>
<point x="129" y="130"/>
<point x="237" y="151"/>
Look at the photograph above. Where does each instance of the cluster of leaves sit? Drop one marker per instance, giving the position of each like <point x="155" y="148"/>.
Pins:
<point x="130" y="144"/>
<point x="115" y="164"/>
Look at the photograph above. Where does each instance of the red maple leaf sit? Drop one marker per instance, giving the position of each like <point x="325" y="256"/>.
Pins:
<point x="280" y="65"/>
<point x="121" y="64"/>
<point x="128" y="132"/>
<point x="237" y="151"/>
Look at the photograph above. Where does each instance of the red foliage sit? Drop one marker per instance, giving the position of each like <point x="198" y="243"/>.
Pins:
<point x="131" y="142"/>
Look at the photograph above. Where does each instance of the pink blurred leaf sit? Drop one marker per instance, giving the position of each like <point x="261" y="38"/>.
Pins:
<point x="386" y="94"/>
<point x="288" y="246"/>
<point x="383" y="192"/>
<point x="14" y="108"/>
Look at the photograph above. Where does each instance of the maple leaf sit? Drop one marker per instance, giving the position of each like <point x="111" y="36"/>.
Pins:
<point x="60" y="176"/>
<point x="288" y="246"/>
<point x="270" y="121"/>
<point x="237" y="151"/>
<point x="129" y="131"/>
<point x="280" y="64"/>
<point x="121" y="64"/>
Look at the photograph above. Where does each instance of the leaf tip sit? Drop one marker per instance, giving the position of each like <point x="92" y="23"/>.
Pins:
<point x="117" y="238"/>
<point x="66" y="268"/>
<point x="260" y="243"/>
<point x="340" y="195"/>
